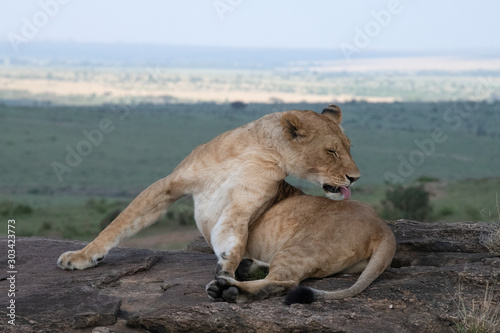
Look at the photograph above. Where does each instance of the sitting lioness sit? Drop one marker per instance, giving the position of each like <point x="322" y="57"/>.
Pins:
<point x="309" y="237"/>
<point x="234" y="179"/>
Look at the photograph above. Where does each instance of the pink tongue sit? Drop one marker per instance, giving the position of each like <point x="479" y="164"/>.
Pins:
<point x="346" y="191"/>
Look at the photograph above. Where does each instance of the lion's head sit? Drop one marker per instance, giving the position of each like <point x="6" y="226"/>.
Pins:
<point x="317" y="149"/>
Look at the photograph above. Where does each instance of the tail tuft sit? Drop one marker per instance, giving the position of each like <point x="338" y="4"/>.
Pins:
<point x="300" y="294"/>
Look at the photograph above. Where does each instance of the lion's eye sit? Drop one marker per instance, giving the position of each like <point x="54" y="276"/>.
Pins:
<point x="332" y="152"/>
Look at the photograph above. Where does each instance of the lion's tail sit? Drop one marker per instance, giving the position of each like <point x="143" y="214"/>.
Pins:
<point x="379" y="261"/>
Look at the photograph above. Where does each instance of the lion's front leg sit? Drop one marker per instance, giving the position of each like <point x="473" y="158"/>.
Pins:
<point x="229" y="234"/>
<point x="228" y="240"/>
<point x="143" y="211"/>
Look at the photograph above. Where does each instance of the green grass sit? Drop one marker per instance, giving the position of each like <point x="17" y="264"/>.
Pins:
<point x="81" y="217"/>
<point x="148" y="142"/>
<point x="478" y="316"/>
<point x="74" y="221"/>
<point x="461" y="200"/>
<point x="470" y="199"/>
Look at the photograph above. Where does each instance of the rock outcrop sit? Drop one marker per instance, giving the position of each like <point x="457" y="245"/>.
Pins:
<point x="139" y="290"/>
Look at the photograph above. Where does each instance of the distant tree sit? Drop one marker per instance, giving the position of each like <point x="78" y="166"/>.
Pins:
<point x="411" y="202"/>
<point x="8" y="208"/>
<point x="238" y="105"/>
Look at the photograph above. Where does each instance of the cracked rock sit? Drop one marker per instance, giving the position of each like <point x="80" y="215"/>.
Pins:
<point x="140" y="290"/>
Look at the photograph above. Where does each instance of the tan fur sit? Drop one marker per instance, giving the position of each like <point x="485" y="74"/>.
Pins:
<point x="311" y="237"/>
<point x="233" y="179"/>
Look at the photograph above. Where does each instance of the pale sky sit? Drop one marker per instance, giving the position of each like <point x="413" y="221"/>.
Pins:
<point x="407" y="25"/>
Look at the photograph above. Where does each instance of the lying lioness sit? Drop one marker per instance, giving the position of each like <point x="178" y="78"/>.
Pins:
<point x="234" y="179"/>
<point x="309" y="237"/>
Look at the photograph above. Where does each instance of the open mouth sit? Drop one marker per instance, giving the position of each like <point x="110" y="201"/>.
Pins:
<point x="344" y="190"/>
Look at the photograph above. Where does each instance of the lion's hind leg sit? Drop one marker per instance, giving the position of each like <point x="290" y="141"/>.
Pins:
<point x="252" y="269"/>
<point x="282" y="277"/>
<point x="380" y="260"/>
<point x="231" y="290"/>
<point x="357" y="268"/>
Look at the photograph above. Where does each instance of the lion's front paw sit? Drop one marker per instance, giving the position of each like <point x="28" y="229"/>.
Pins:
<point x="76" y="260"/>
<point x="222" y="290"/>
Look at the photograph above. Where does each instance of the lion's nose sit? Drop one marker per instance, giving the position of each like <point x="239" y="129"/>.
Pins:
<point x="352" y="179"/>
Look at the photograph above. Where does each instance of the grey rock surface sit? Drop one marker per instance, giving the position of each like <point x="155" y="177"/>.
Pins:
<point x="140" y="290"/>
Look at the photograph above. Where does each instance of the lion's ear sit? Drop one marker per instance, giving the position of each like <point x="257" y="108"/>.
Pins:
<point x="293" y="127"/>
<point x="333" y="111"/>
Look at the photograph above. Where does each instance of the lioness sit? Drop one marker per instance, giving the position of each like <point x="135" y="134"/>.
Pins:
<point x="309" y="237"/>
<point x="234" y="179"/>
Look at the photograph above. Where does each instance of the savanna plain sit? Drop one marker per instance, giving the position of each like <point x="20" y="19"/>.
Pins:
<point x="66" y="170"/>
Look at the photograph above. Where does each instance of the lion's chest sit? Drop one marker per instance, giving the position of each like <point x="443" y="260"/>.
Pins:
<point x="231" y="203"/>
<point x="208" y="209"/>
